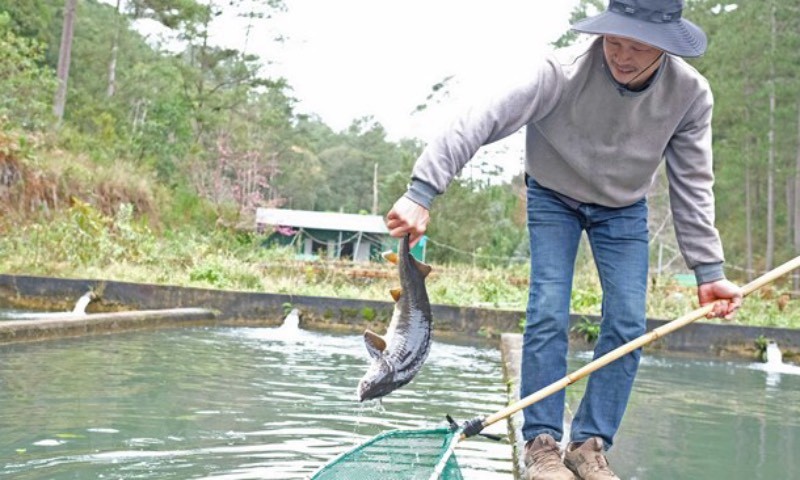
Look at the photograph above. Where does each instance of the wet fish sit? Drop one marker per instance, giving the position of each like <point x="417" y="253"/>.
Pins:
<point x="399" y="355"/>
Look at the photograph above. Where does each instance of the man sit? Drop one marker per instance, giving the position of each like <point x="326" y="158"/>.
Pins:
<point x="596" y="131"/>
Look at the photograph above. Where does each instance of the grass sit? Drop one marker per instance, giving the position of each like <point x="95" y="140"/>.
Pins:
<point x="85" y="243"/>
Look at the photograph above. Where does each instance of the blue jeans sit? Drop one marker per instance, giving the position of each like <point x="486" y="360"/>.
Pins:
<point x="619" y="241"/>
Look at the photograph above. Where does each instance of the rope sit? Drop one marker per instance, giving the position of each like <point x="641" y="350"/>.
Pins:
<point x="476" y="255"/>
<point x="505" y="258"/>
<point x="325" y="242"/>
<point x="517" y="258"/>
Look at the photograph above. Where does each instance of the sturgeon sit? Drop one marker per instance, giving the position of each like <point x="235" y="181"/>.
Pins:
<point x="399" y="355"/>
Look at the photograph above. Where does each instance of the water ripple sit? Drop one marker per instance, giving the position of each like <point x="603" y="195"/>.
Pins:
<point x="236" y="402"/>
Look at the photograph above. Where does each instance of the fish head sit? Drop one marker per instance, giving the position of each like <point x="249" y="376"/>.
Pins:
<point x="378" y="381"/>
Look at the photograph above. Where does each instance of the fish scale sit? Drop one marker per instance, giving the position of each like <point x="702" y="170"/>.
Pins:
<point x="399" y="356"/>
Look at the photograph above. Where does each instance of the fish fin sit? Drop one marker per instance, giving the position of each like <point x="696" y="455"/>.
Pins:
<point x="424" y="268"/>
<point x="390" y="257"/>
<point x="375" y="343"/>
<point x="396" y="293"/>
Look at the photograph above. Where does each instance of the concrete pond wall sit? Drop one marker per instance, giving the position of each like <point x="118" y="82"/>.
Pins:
<point x="223" y="307"/>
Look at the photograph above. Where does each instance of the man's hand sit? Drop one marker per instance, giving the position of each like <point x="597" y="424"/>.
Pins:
<point x="409" y="217"/>
<point x="728" y="294"/>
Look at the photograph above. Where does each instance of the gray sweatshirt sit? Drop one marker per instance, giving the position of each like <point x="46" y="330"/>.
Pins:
<point x="592" y="140"/>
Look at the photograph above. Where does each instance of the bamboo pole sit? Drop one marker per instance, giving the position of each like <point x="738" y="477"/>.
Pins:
<point x="639" y="342"/>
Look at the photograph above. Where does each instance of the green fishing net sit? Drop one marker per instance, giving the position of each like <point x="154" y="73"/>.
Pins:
<point x="398" y="455"/>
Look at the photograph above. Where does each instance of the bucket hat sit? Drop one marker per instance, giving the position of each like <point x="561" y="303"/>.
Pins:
<point x="658" y="23"/>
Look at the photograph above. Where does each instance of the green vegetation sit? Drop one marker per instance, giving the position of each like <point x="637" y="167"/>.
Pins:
<point x="156" y="169"/>
<point x="368" y="314"/>
<point x="84" y="243"/>
<point x="588" y="329"/>
<point x="761" y="348"/>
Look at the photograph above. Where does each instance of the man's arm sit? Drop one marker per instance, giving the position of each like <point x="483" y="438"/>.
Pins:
<point x="691" y="178"/>
<point x="441" y="160"/>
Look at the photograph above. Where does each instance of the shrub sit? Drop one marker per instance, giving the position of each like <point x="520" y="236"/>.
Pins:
<point x="589" y="329"/>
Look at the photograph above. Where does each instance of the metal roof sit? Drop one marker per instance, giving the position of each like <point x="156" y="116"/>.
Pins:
<point x="346" y="222"/>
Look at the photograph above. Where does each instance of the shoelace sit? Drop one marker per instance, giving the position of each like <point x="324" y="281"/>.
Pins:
<point x="548" y="458"/>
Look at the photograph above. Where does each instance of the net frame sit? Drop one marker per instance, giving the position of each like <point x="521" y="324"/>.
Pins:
<point x="421" y="454"/>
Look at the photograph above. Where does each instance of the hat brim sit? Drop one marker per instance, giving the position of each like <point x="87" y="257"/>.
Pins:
<point x="682" y="38"/>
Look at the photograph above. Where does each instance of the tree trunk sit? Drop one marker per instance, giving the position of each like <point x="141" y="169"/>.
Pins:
<point x="112" y="64"/>
<point x="796" y="208"/>
<point x="748" y="218"/>
<point x="789" y="191"/>
<point x="65" y="51"/>
<point x="375" y="191"/>
<point x="770" y="253"/>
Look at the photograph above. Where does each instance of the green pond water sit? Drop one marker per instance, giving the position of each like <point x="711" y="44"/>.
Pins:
<point x="222" y="403"/>
<point x="247" y="403"/>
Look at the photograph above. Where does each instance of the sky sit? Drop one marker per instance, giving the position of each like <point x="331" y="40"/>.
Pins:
<point x="351" y="58"/>
<point x="348" y="59"/>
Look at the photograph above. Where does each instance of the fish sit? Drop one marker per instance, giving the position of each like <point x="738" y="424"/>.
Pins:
<point x="399" y="355"/>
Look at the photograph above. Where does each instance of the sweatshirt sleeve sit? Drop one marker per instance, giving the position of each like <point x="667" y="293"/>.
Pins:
<point x="490" y="121"/>
<point x="691" y="179"/>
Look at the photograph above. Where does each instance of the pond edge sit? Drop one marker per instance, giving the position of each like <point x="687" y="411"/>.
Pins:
<point x="228" y="307"/>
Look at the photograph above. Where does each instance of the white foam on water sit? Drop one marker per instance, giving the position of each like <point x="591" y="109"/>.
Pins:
<point x="49" y="443"/>
<point x="144" y="442"/>
<point x="290" y="330"/>
<point x="292" y="321"/>
<point x="775" y="364"/>
<point x="83" y="302"/>
<point x="78" y="310"/>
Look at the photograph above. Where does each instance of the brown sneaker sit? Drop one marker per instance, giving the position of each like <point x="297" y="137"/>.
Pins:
<point x="588" y="461"/>
<point x="543" y="460"/>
